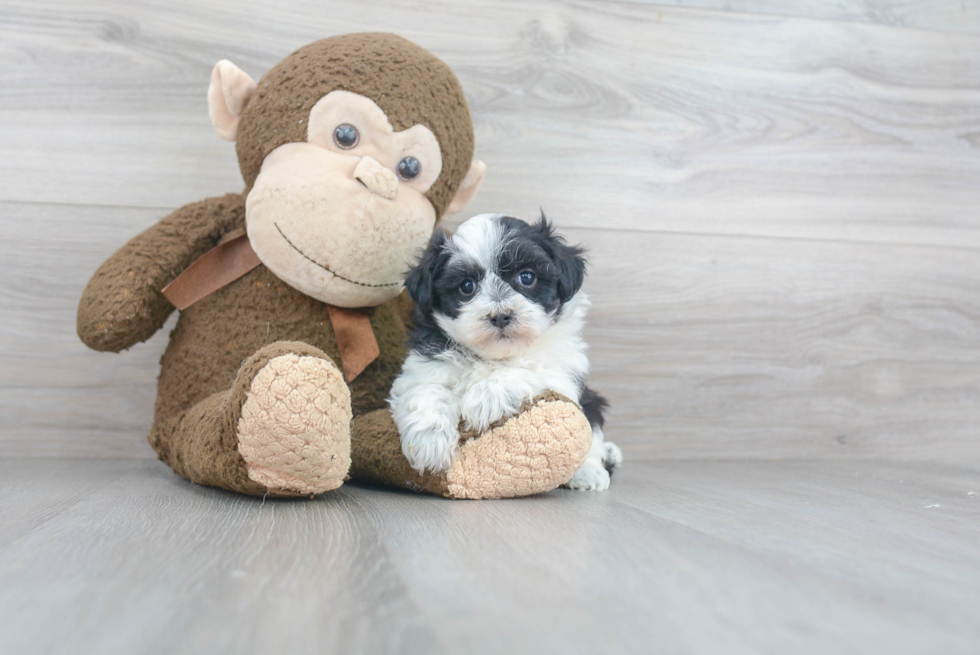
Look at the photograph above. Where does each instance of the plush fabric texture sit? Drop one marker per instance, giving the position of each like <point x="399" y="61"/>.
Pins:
<point x="379" y="139"/>
<point x="409" y="83"/>
<point x="306" y="213"/>
<point x="217" y="333"/>
<point x="376" y="456"/>
<point x="230" y="90"/>
<point x="533" y="452"/>
<point x="294" y="429"/>
<point x="203" y="443"/>
<point x="122" y="304"/>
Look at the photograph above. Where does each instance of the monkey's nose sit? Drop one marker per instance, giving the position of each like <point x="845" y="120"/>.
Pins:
<point x="376" y="178"/>
<point x="501" y="319"/>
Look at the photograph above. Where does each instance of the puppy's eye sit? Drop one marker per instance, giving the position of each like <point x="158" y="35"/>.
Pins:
<point x="409" y="168"/>
<point x="346" y="136"/>
<point x="526" y="278"/>
<point x="467" y="287"/>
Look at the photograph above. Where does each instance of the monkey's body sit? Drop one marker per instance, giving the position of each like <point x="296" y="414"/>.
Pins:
<point x="250" y="394"/>
<point x="213" y="338"/>
<point x="219" y="332"/>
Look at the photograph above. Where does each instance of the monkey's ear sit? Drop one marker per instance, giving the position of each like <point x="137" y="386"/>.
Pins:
<point x="468" y="187"/>
<point x="230" y="90"/>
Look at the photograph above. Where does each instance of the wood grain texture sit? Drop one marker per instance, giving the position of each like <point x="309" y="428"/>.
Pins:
<point x="944" y="15"/>
<point x="782" y="212"/>
<point x="770" y="348"/>
<point x="707" y="346"/>
<point x="616" y="114"/>
<point x="694" y="557"/>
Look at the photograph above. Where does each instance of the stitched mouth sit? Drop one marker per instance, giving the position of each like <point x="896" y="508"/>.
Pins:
<point x="341" y="277"/>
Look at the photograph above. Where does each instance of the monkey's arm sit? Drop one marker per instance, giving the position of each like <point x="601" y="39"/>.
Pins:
<point x="122" y="304"/>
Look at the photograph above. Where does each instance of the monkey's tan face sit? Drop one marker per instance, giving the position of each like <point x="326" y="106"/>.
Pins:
<point x="342" y="217"/>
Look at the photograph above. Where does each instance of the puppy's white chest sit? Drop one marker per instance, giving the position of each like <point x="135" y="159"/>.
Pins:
<point x="484" y="379"/>
<point x="489" y="391"/>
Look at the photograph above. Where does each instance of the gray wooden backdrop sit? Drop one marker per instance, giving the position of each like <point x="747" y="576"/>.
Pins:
<point x="782" y="201"/>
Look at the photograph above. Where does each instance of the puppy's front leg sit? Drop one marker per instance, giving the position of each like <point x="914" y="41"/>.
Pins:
<point x="496" y="396"/>
<point x="427" y="416"/>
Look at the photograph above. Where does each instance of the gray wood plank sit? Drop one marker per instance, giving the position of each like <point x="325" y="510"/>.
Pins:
<point x="58" y="397"/>
<point x="695" y="557"/>
<point x="944" y="15"/>
<point x="772" y="348"/>
<point x="619" y="115"/>
<point x="35" y="493"/>
<point x="708" y="346"/>
<point x="159" y="565"/>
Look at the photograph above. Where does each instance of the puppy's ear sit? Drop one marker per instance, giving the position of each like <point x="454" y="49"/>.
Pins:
<point x="421" y="279"/>
<point x="569" y="260"/>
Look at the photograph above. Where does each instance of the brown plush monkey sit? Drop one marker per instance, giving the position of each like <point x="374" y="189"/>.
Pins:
<point x="351" y="149"/>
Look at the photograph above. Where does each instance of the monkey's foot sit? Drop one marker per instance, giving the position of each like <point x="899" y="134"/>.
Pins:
<point x="294" y="429"/>
<point x="535" y="451"/>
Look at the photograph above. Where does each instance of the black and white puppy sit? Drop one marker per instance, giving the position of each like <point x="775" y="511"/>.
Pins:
<point x="498" y="320"/>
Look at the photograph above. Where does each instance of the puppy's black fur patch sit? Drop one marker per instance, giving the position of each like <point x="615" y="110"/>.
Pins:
<point x="593" y="406"/>
<point x="537" y="247"/>
<point x="434" y="283"/>
<point x="426" y="336"/>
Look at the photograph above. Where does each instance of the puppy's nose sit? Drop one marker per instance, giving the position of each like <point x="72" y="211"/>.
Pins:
<point x="501" y="319"/>
<point x="376" y="178"/>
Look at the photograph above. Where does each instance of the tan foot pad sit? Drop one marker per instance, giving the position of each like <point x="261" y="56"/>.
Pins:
<point x="294" y="432"/>
<point x="536" y="451"/>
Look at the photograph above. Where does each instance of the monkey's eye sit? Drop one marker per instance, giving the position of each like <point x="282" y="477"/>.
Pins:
<point x="526" y="279"/>
<point x="467" y="287"/>
<point x="346" y="136"/>
<point x="409" y="168"/>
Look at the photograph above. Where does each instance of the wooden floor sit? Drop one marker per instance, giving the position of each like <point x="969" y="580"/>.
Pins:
<point x="114" y="556"/>
<point x="781" y="199"/>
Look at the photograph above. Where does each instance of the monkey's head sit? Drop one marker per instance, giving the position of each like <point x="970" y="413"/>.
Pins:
<point x="351" y="148"/>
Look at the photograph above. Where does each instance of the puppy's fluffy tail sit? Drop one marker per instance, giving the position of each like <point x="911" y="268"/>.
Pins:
<point x="593" y="405"/>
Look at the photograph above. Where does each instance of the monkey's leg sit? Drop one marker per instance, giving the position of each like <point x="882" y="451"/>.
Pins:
<point x="535" y="451"/>
<point x="282" y="429"/>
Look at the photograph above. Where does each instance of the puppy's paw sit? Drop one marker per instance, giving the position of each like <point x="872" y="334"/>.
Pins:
<point x="487" y="402"/>
<point x="593" y="476"/>
<point x="431" y="449"/>
<point x="612" y="456"/>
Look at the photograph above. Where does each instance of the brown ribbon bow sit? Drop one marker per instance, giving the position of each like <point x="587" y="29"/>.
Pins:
<point x="232" y="259"/>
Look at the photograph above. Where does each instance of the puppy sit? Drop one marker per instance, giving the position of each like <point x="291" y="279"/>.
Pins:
<point x="498" y="320"/>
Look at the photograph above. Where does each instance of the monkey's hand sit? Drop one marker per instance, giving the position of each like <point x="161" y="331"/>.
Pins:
<point x="122" y="304"/>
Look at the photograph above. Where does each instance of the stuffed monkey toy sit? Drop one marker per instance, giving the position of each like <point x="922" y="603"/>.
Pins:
<point x="292" y="322"/>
